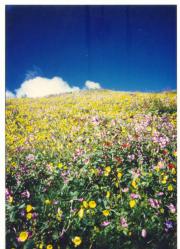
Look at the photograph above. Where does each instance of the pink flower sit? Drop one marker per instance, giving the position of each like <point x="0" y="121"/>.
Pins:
<point x="154" y="203"/>
<point x="123" y="222"/>
<point x="30" y="157"/>
<point x="25" y="194"/>
<point x="160" y="194"/>
<point x="105" y="223"/>
<point x="144" y="233"/>
<point x="172" y="208"/>
<point x="124" y="190"/>
<point x="134" y="196"/>
<point x="95" y="120"/>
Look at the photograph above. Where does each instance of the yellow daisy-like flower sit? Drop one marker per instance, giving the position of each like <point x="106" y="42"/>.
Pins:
<point x="29" y="216"/>
<point x="60" y="165"/>
<point x="170" y="188"/>
<point x="41" y="246"/>
<point x="107" y="170"/>
<point x="108" y="194"/>
<point x="132" y="203"/>
<point x="85" y="204"/>
<point x="106" y="212"/>
<point x="163" y="181"/>
<point x="148" y="128"/>
<point x="119" y="175"/>
<point x="49" y="246"/>
<point x="47" y="202"/>
<point x="162" y="210"/>
<point x="175" y="153"/>
<point x="10" y="200"/>
<point x="77" y="241"/>
<point x="81" y="213"/>
<point x="23" y="236"/>
<point x="59" y="214"/>
<point x="92" y="204"/>
<point x="28" y="208"/>
<point x="134" y="184"/>
<point x="173" y="171"/>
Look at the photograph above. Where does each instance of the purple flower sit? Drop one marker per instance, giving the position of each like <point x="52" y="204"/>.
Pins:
<point x="168" y="225"/>
<point x="160" y="194"/>
<point x="95" y="120"/>
<point x="105" y="223"/>
<point x="22" y="213"/>
<point x="34" y="215"/>
<point x="100" y="172"/>
<point x="123" y="222"/>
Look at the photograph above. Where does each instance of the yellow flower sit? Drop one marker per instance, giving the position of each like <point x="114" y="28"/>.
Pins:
<point x="49" y="246"/>
<point x="59" y="214"/>
<point x="173" y="171"/>
<point x="10" y="200"/>
<point x="117" y="184"/>
<point x="60" y="165"/>
<point x="157" y="168"/>
<point x="28" y="208"/>
<point x="170" y="188"/>
<point x="47" y="202"/>
<point x="134" y="184"/>
<point x="163" y="181"/>
<point x="162" y="210"/>
<point x="29" y="216"/>
<point x="81" y="213"/>
<point x="119" y="175"/>
<point x="23" y="236"/>
<point x="148" y="128"/>
<point x="108" y="194"/>
<point x="132" y="203"/>
<point x="41" y="246"/>
<point x="106" y="212"/>
<point x="85" y="204"/>
<point x="175" y="153"/>
<point x="107" y="170"/>
<point x="92" y="204"/>
<point x="77" y="241"/>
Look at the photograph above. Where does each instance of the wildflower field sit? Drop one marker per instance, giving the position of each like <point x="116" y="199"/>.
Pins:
<point x="91" y="170"/>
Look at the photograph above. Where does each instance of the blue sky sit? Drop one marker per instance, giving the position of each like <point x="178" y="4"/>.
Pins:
<point x="131" y="48"/>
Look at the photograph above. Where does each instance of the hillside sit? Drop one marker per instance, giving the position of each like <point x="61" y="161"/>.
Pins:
<point x="91" y="169"/>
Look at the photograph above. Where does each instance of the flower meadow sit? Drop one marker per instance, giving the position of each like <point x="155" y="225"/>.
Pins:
<point x="91" y="170"/>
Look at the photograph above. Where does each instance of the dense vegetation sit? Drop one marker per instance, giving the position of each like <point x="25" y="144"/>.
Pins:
<point x="92" y="170"/>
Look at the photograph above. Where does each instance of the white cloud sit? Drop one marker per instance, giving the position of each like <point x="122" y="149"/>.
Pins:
<point x="10" y="94"/>
<point x="92" y="85"/>
<point x="40" y="87"/>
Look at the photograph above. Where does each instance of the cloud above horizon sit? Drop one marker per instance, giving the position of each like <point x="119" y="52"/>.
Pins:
<point x="41" y="87"/>
<point x="92" y="85"/>
<point x="9" y="94"/>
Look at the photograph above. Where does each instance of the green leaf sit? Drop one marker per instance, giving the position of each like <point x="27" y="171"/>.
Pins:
<point x="29" y="244"/>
